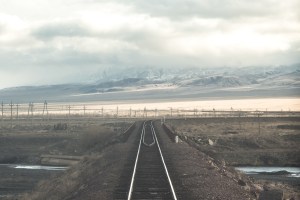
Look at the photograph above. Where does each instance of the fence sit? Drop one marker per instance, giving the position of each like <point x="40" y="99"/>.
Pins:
<point x="12" y="111"/>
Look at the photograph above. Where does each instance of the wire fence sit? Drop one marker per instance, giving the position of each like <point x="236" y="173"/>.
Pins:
<point x="11" y="111"/>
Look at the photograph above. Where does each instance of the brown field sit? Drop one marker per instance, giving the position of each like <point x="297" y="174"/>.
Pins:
<point x="55" y="142"/>
<point x="245" y="141"/>
<point x="91" y="146"/>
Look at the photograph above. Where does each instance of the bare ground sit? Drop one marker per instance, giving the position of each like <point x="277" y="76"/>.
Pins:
<point x="203" y="177"/>
<point x="249" y="142"/>
<point x="245" y="141"/>
<point x="26" y="144"/>
<point x="195" y="172"/>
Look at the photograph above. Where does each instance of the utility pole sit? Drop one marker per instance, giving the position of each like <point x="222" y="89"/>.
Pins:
<point x="102" y="112"/>
<point x="130" y="112"/>
<point x="240" y="120"/>
<point x="145" y="112"/>
<point x="11" y="113"/>
<point x="17" y="111"/>
<point x="31" y="113"/>
<point x="2" y="110"/>
<point x="45" y="109"/>
<point x="117" y="111"/>
<point x="29" y="109"/>
<point x="69" y="108"/>
<point x="84" y="108"/>
<point x="258" y="116"/>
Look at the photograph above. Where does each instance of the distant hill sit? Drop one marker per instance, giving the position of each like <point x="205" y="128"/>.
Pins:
<point x="157" y="83"/>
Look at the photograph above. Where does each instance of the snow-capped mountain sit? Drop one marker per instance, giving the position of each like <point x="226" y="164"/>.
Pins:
<point x="153" y="82"/>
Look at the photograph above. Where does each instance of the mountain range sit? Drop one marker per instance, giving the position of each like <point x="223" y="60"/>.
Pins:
<point x="146" y="83"/>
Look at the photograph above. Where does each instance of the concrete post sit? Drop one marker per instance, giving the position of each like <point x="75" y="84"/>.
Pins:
<point x="176" y="139"/>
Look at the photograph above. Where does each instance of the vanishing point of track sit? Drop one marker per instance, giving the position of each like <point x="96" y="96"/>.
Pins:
<point x="149" y="178"/>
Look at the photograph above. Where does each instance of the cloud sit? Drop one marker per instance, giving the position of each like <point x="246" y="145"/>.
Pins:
<point x="60" y="29"/>
<point x="76" y="34"/>
<point x="178" y="9"/>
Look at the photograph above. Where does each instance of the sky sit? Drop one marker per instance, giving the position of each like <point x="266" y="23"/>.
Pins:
<point x="53" y="42"/>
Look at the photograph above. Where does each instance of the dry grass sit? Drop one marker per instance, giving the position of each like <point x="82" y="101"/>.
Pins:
<point x="95" y="135"/>
<point x="245" y="141"/>
<point x="67" y="185"/>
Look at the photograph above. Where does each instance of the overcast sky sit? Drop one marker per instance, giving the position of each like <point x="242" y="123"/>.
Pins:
<point x="44" y="42"/>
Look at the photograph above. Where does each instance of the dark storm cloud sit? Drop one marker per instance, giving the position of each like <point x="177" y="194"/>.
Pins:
<point x="61" y="29"/>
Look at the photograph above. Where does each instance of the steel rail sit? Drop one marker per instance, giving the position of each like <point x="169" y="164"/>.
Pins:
<point x="163" y="161"/>
<point x="135" y="164"/>
<point x="161" y="157"/>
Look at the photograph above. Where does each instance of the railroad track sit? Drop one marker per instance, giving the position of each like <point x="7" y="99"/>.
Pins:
<point x="149" y="177"/>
